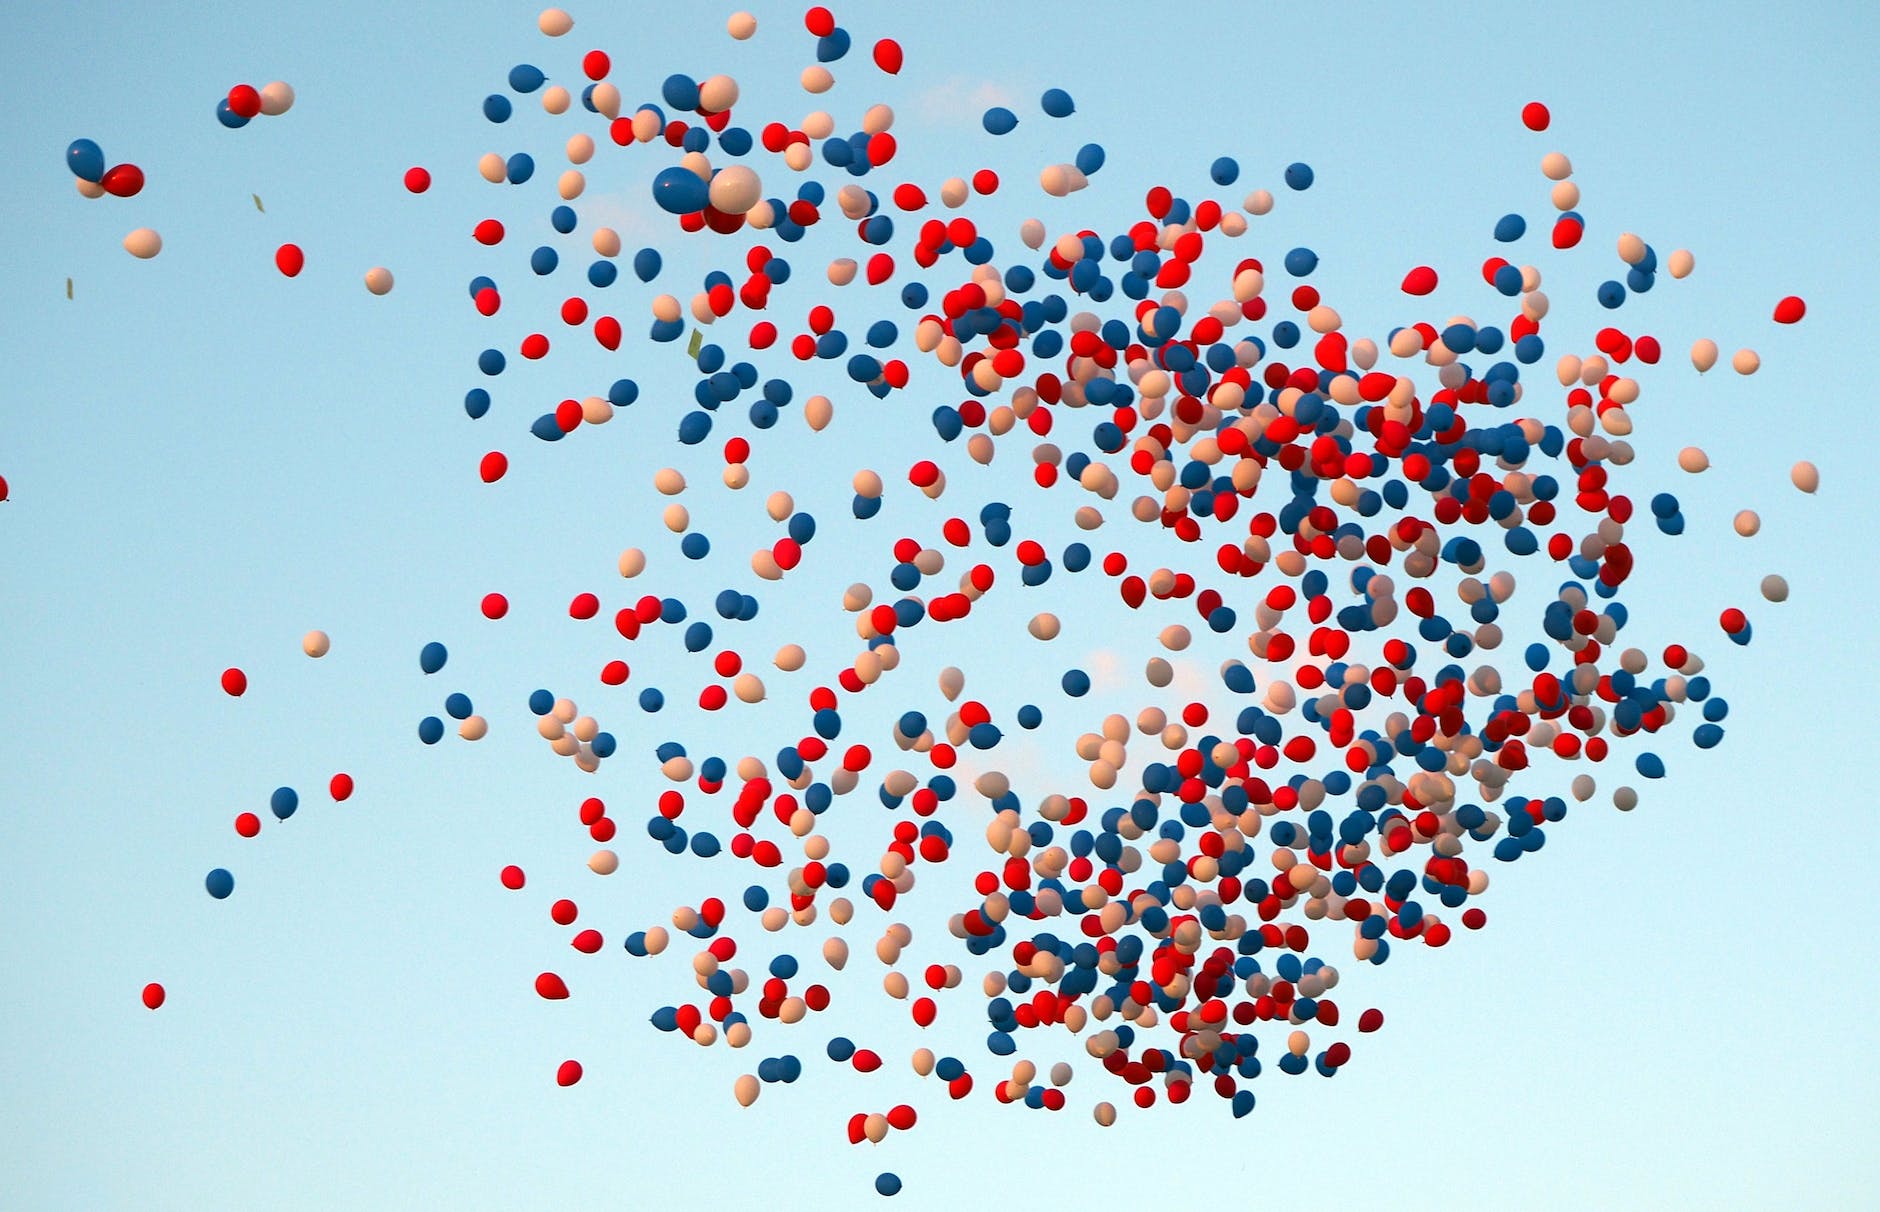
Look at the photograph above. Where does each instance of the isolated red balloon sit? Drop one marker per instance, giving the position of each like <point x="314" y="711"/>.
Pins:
<point x="587" y="942"/>
<point x="513" y="878"/>
<point x="493" y="467"/>
<point x="248" y="824"/>
<point x="153" y="995"/>
<point x="569" y="1073"/>
<point x="888" y="56"/>
<point x="3" y="488"/>
<point x="596" y="64"/>
<point x="417" y="180"/>
<point x="244" y="100"/>
<point x="495" y="605"/>
<point x="820" y="21"/>
<point x="289" y="259"/>
<point x="1534" y="116"/>
<point x="1419" y="281"/>
<point x="234" y="682"/>
<point x="551" y="987"/>
<point x="563" y="912"/>
<point x="1788" y="311"/>
<point x="123" y="181"/>
<point x="341" y="788"/>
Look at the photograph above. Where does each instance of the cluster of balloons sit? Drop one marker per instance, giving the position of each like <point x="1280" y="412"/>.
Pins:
<point x="245" y="102"/>
<point x="86" y="160"/>
<point x="1322" y="762"/>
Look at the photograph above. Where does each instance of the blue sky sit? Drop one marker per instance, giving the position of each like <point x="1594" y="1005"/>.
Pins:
<point x="206" y="460"/>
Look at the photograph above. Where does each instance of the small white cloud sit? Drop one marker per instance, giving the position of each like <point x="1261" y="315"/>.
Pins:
<point x="960" y="100"/>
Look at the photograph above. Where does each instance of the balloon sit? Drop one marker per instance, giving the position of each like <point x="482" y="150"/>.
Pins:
<point x="735" y="190"/>
<point x="248" y="824"/>
<point x="1299" y="176"/>
<point x="513" y="878"/>
<point x="551" y="987"/>
<point x="289" y="259"/>
<point x="999" y="121"/>
<point x="86" y="160"/>
<point x="1788" y="311"/>
<point x="1805" y="476"/>
<point x="283" y="802"/>
<point x="741" y="25"/>
<point x="219" y="883"/>
<point x="432" y="656"/>
<point x="143" y="244"/>
<point x="1703" y="354"/>
<point x="1419" y="281"/>
<point x="127" y="181"/>
<point x="234" y="682"/>
<point x="277" y="97"/>
<point x="679" y="191"/>
<point x="554" y="22"/>
<point x="1745" y="362"/>
<point x="1746" y="523"/>
<point x="315" y="644"/>
<point x="1057" y="103"/>
<point x="244" y="101"/>
<point x="379" y="280"/>
<point x="887" y="1184"/>
<point x="888" y="56"/>
<point x="1693" y="460"/>
<point x="1775" y="588"/>
<point x="153" y="996"/>
<point x="568" y="1073"/>
<point x="1534" y="116"/>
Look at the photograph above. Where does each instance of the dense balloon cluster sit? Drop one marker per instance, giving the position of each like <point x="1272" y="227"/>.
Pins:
<point x="1316" y="533"/>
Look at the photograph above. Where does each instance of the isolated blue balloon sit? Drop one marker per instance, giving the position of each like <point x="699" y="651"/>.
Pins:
<point x="1611" y="294"/>
<point x="1224" y="171"/>
<point x="1301" y="261"/>
<point x="679" y="191"/>
<point x="86" y="160"/>
<point x="283" y="802"/>
<point x="544" y="260"/>
<point x="887" y="1183"/>
<point x="999" y="120"/>
<point x="430" y="730"/>
<point x="1076" y="683"/>
<point x="525" y="77"/>
<point x="1057" y="103"/>
<point x="563" y="219"/>
<point x="496" y="107"/>
<point x="1089" y="158"/>
<point x="432" y="656"/>
<point x="476" y="402"/>
<point x="646" y="264"/>
<point x="1299" y="176"/>
<point x="219" y="883"/>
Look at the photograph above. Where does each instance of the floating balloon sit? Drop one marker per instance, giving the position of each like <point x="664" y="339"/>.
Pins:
<point x="143" y="244"/>
<point x="127" y="181"/>
<point x="153" y="996"/>
<point x="86" y="160"/>
<point x="316" y="644"/>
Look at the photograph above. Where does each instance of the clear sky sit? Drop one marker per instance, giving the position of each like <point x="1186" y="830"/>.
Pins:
<point x="1670" y="1007"/>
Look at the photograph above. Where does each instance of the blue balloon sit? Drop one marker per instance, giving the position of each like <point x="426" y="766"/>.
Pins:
<point x="1650" y="766"/>
<point x="1299" y="176"/>
<point x="1611" y="294"/>
<point x="86" y="160"/>
<point x="999" y="120"/>
<point x="283" y="802"/>
<point x="1301" y="261"/>
<point x="679" y="191"/>
<point x="563" y="219"/>
<point x="832" y="45"/>
<point x="1510" y="228"/>
<point x="1076" y="683"/>
<point x="680" y="91"/>
<point x="1089" y="158"/>
<point x="226" y="116"/>
<point x="525" y="77"/>
<point x="219" y="883"/>
<point x="1224" y="171"/>
<point x="430" y="730"/>
<point x="491" y="362"/>
<point x="496" y="107"/>
<point x="544" y="260"/>
<point x="476" y="402"/>
<point x="646" y="264"/>
<point x="887" y="1183"/>
<point x="547" y="428"/>
<point x="1057" y="103"/>
<point x="520" y="168"/>
<point x="432" y="656"/>
<point x="651" y="699"/>
<point x="457" y="706"/>
<point x="541" y="702"/>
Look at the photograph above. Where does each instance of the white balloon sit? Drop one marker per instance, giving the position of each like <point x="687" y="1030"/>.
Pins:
<point x="1745" y="362"/>
<point x="554" y="22"/>
<point x="735" y="190"/>
<point x="277" y="98"/>
<point x="741" y="25"/>
<point x="1693" y="459"/>
<point x="143" y="244"/>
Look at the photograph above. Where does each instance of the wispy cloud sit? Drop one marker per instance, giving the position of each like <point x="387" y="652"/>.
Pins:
<point x="959" y="101"/>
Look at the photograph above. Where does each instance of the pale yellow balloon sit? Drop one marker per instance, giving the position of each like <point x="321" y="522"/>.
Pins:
<point x="1044" y="626"/>
<point x="580" y="148"/>
<point x="143" y="244"/>
<point x="741" y="25"/>
<point x="1631" y="249"/>
<point x="1703" y="354"/>
<point x="835" y="953"/>
<point x="606" y="100"/>
<point x="1556" y="167"/>
<point x="818" y="412"/>
<point x="1805" y="476"/>
<point x="606" y="242"/>
<point x="554" y="22"/>
<point x="1259" y="202"/>
<point x="745" y="1090"/>
<point x="717" y="93"/>
<point x="556" y="99"/>
<point x="790" y="658"/>
<point x="1745" y="362"/>
<point x="632" y="562"/>
<point x="952" y="681"/>
<point x="1680" y="263"/>
<point x="379" y="280"/>
<point x="493" y="168"/>
<point x="735" y="190"/>
<point x="474" y="728"/>
<point x="749" y="688"/>
<point x="1693" y="459"/>
<point x="90" y="189"/>
<point x="1747" y="523"/>
<point x="316" y="644"/>
<point x="603" y="862"/>
<point x="570" y="185"/>
<point x="1104" y="1114"/>
<point x="817" y="79"/>
<point x="277" y="97"/>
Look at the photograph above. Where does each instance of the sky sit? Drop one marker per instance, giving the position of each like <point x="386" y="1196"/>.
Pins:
<point x="206" y="459"/>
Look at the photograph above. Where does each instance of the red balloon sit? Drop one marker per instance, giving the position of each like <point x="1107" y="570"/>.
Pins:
<point x="535" y="346"/>
<point x="901" y="1117"/>
<point x="495" y="464"/>
<point x="551" y="987"/>
<point x="924" y="1012"/>
<point x="341" y="788"/>
<point x="1419" y="281"/>
<point x="564" y="912"/>
<point x="234" y="682"/>
<point x="513" y="879"/>
<point x="569" y="1073"/>
<point x="417" y="180"/>
<point x="584" y="606"/>
<point x="289" y="259"/>
<point x="489" y="231"/>
<point x="3" y="488"/>
<point x="596" y="64"/>
<point x="1788" y="311"/>
<point x="153" y="995"/>
<point x="248" y="824"/>
<point x="1534" y="116"/>
<point x="495" y="605"/>
<point x="614" y="673"/>
<point x="244" y="100"/>
<point x="888" y="56"/>
<point x="1370" y="1020"/>
<point x="123" y="181"/>
<point x="587" y="942"/>
<point x="820" y="21"/>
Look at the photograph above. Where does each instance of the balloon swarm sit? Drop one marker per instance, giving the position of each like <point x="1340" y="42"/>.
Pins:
<point x="1308" y="537"/>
